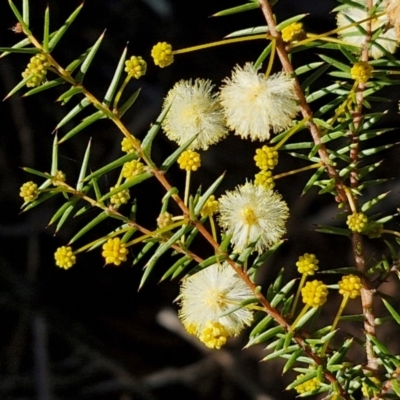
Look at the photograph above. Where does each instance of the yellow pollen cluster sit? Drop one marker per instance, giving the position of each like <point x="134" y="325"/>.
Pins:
<point x="249" y="216"/>
<point x="210" y="208"/>
<point x="264" y="178"/>
<point x="357" y="222"/>
<point x="58" y="178"/>
<point x="350" y="285"/>
<point x="119" y="198"/>
<point x="135" y="67"/>
<point x="266" y="158"/>
<point x="314" y="293"/>
<point x="38" y="69"/>
<point x="29" y="191"/>
<point x="214" y="335"/>
<point x="189" y="160"/>
<point x="361" y="71"/>
<point x="164" y="219"/>
<point x="307" y="264"/>
<point x="132" y="168"/>
<point x="191" y="329"/>
<point x="64" y="257"/>
<point x="307" y="386"/>
<point x="114" y="251"/>
<point x="293" y="32"/>
<point x="127" y="146"/>
<point x="162" y="54"/>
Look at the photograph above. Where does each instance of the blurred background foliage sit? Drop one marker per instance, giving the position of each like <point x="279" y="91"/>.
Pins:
<point x="87" y="333"/>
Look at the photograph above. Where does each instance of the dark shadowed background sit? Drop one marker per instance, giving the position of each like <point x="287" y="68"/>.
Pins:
<point x="87" y="333"/>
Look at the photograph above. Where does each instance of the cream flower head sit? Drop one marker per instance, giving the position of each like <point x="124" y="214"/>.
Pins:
<point x="253" y="213"/>
<point x="352" y="35"/>
<point x="194" y="110"/>
<point x="254" y="105"/>
<point x="206" y="296"/>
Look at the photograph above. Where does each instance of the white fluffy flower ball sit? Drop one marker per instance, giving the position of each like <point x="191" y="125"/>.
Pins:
<point x="253" y="213"/>
<point x="207" y="295"/>
<point x="254" y="105"/>
<point x="194" y="110"/>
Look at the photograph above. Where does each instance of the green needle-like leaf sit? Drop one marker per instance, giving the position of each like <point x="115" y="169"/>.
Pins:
<point x="35" y="172"/>
<point x="290" y="21"/>
<point x="25" y="11"/>
<point x="244" y="7"/>
<point x="392" y="311"/>
<point x="293" y="358"/>
<point x="101" y="217"/>
<point x="128" y="104"/>
<point x="257" y="30"/>
<point x="88" y="59"/>
<point x="85" y="123"/>
<point x="146" y="248"/>
<point x="151" y="134"/>
<point x="62" y="210"/>
<point x="46" y="30"/>
<point x="117" y="76"/>
<point x="180" y="264"/>
<point x="82" y="172"/>
<point x="60" y="33"/>
<point x="46" y="86"/>
<point x="54" y="157"/>
<point x="7" y="50"/>
<point x="75" y="111"/>
<point x="18" y="86"/>
<point x="66" y="96"/>
<point x="270" y="333"/>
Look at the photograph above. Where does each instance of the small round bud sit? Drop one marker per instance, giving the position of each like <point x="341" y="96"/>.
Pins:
<point x="357" y="222"/>
<point x="361" y="71"/>
<point x="132" y="168"/>
<point x="119" y="198"/>
<point x="164" y="219"/>
<point x="266" y="158"/>
<point x="114" y="251"/>
<point x="64" y="257"/>
<point x="350" y="285"/>
<point x="210" y="208"/>
<point x="135" y="67"/>
<point x="189" y="160"/>
<point x="314" y="293"/>
<point x="264" y="178"/>
<point x="162" y="54"/>
<point x="307" y="264"/>
<point x="293" y="32"/>
<point x="29" y="191"/>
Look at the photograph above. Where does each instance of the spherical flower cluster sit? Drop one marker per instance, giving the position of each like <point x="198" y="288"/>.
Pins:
<point x="350" y="285"/>
<point x="361" y="71"/>
<point x="189" y="160"/>
<point x="266" y="158"/>
<point x="119" y="198"/>
<point x="64" y="257"/>
<point x="127" y="146"/>
<point x="210" y="208"/>
<point x="357" y="222"/>
<point x="214" y="335"/>
<point x="206" y="296"/>
<point x="393" y="13"/>
<point x="162" y="54"/>
<point x="255" y="104"/>
<point x="135" y="67"/>
<point x="29" y="191"/>
<point x="59" y="177"/>
<point x="132" y="168"/>
<point x="164" y="219"/>
<point x="354" y="35"/>
<point x="307" y="386"/>
<point x="307" y="264"/>
<point x="38" y="69"/>
<point x="194" y="111"/>
<point x="114" y="251"/>
<point x="293" y="32"/>
<point x="264" y="178"/>
<point x="252" y="213"/>
<point x="314" y="293"/>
